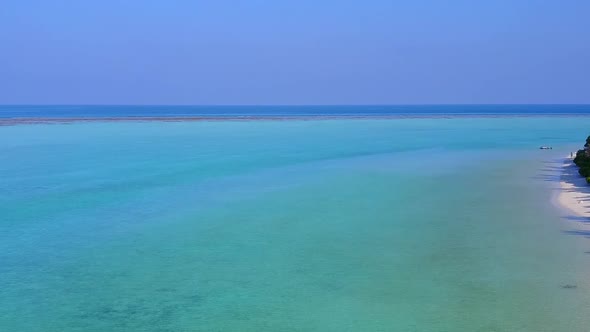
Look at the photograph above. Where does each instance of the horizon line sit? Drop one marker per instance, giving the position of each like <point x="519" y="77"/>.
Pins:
<point x="313" y="105"/>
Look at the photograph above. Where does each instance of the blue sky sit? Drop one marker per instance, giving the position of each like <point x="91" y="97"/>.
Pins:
<point x="294" y="52"/>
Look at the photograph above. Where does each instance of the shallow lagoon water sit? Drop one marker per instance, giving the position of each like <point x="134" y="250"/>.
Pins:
<point x="333" y="225"/>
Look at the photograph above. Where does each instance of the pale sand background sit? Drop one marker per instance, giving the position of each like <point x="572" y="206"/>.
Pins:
<point x="575" y="192"/>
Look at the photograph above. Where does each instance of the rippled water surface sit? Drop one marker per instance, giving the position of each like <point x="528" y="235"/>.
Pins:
<point x="334" y="225"/>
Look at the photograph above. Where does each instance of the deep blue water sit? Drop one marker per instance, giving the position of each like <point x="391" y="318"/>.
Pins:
<point x="60" y="111"/>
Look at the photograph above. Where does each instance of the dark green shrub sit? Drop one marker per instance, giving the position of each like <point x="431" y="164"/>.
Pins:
<point x="581" y="162"/>
<point x="581" y="158"/>
<point x="584" y="171"/>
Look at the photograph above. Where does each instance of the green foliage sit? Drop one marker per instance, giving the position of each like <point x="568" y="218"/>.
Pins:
<point x="582" y="159"/>
<point x="584" y="171"/>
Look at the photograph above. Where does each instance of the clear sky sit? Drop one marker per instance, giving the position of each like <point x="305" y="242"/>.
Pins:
<point x="294" y="52"/>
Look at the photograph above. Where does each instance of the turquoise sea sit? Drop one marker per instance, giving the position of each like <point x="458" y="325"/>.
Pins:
<point x="430" y="224"/>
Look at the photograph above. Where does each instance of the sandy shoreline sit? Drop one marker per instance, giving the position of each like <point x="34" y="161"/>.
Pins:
<point x="574" y="193"/>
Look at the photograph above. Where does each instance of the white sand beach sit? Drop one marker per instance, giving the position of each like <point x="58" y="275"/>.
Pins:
<point x="575" y="192"/>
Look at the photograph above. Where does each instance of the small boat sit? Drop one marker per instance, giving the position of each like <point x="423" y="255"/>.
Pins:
<point x="545" y="148"/>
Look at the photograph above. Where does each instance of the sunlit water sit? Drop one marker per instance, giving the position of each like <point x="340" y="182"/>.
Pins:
<point x="334" y="225"/>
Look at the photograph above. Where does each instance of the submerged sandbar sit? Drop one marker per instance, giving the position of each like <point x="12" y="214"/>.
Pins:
<point x="11" y="121"/>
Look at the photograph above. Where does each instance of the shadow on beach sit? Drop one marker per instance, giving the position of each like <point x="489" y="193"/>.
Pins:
<point x="572" y="191"/>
